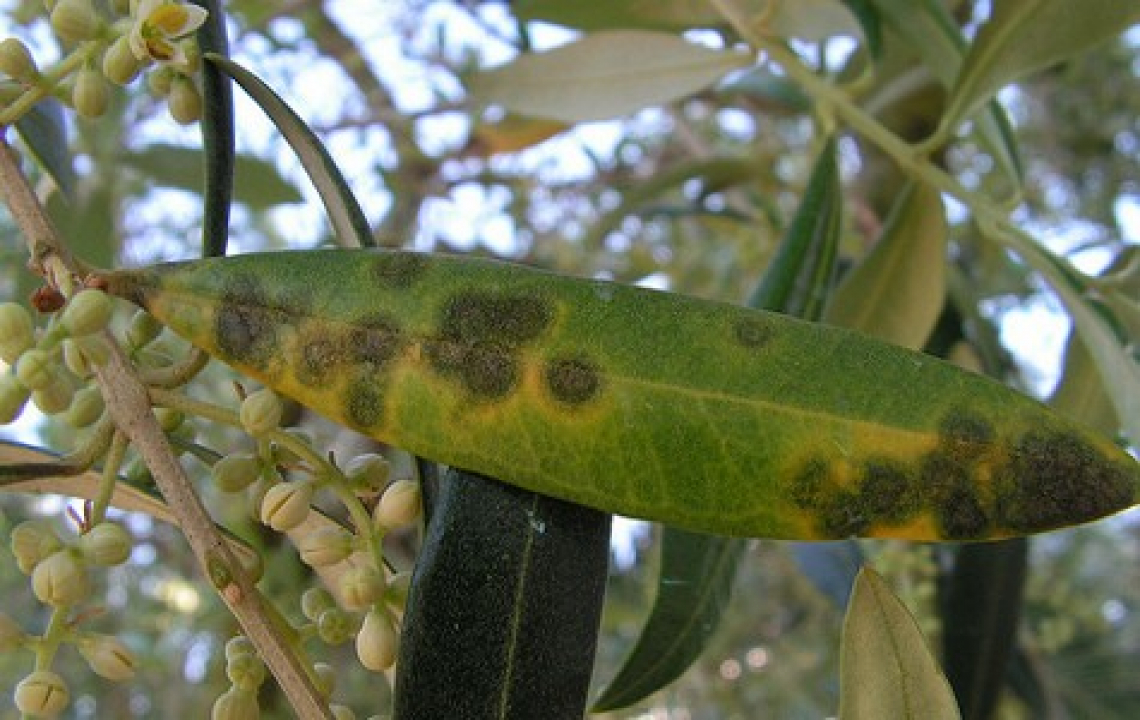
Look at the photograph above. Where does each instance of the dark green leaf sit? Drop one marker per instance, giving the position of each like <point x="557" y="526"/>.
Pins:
<point x="868" y="16"/>
<point x="693" y="588"/>
<point x="217" y="134"/>
<point x="981" y="609"/>
<point x="350" y="225"/>
<point x="886" y="667"/>
<point x="262" y="186"/>
<point x="42" y="129"/>
<point x="504" y="606"/>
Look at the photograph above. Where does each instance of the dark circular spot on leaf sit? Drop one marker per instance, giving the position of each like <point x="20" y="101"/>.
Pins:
<point x="364" y="403"/>
<point x="813" y="487"/>
<point x="572" y="380"/>
<point x="753" y="332"/>
<point x="960" y="516"/>
<point x="489" y="370"/>
<point x="886" y="491"/>
<point x="843" y="517"/>
<point x="376" y="340"/>
<point x="399" y="270"/>
<point x="321" y="358"/>
<point x="511" y="318"/>
<point x="246" y="326"/>
<point x="965" y="435"/>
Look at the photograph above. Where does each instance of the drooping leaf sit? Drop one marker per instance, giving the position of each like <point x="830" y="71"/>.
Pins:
<point x="262" y="187"/>
<point x="812" y="20"/>
<point x="218" y="143"/>
<point x="1081" y="392"/>
<point x="1023" y="36"/>
<point x="693" y="589"/>
<point x="930" y="31"/>
<point x="709" y="416"/>
<point x="43" y="131"/>
<point x="869" y="21"/>
<point x="603" y="75"/>
<point x="886" y="667"/>
<point x="897" y="291"/>
<point x="350" y="225"/>
<point x="981" y="602"/>
<point x="504" y="606"/>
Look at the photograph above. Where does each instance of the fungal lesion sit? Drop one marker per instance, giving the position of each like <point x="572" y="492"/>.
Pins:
<point x="752" y="332"/>
<point x="398" y="270"/>
<point x="572" y="380"/>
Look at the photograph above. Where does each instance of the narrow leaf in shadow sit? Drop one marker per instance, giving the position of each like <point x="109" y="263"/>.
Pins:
<point x="886" y="668"/>
<point x="603" y="75"/>
<point x="42" y="129"/>
<point x="350" y="225"/>
<point x="217" y="133"/>
<point x="981" y="608"/>
<point x="1023" y="36"/>
<point x="897" y="291"/>
<point x="504" y="606"/>
<point x="698" y="570"/>
<point x="174" y="166"/>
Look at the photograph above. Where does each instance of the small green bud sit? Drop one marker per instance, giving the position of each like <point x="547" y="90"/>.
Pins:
<point x="60" y="580"/>
<point x="106" y="544"/>
<point x="17" y="331"/>
<point x="11" y="634"/>
<point x="324" y="678"/>
<point x="74" y="20"/>
<point x="42" y="694"/>
<point x="368" y="472"/>
<point x="142" y="329"/>
<point x="376" y="643"/>
<point x="261" y="412"/>
<point x="245" y="671"/>
<point x="399" y="506"/>
<point x="239" y="645"/>
<point x="17" y="62"/>
<point x="286" y="505"/>
<point x="236" y="704"/>
<point x="236" y="472"/>
<point x="160" y="80"/>
<point x="90" y="98"/>
<point x="82" y="354"/>
<point x="31" y="542"/>
<point x="184" y="101"/>
<point x="13" y="395"/>
<point x="315" y="601"/>
<point x="74" y="359"/>
<point x="108" y="657"/>
<point x="342" y="712"/>
<point x="325" y="546"/>
<point x="55" y="398"/>
<point x="36" y="369"/>
<point x="86" y="407"/>
<point x="361" y="587"/>
<point x="335" y="626"/>
<point x="90" y="310"/>
<point x="119" y="63"/>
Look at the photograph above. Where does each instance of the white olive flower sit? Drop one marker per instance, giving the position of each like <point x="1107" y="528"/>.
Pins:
<point x="159" y="25"/>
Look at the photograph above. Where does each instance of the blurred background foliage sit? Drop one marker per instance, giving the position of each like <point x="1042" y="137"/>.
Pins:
<point x="692" y="197"/>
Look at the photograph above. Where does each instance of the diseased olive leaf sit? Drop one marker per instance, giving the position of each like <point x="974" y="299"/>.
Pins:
<point x="886" y="668"/>
<point x="1023" y="36"/>
<point x="43" y="131"/>
<point x="930" y="31"/>
<point x="604" y="75"/>
<point x="897" y="291"/>
<point x="350" y="225"/>
<point x="503" y="611"/>
<point x="705" y="415"/>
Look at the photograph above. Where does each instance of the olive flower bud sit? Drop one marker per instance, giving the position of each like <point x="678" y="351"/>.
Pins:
<point x="246" y="671"/>
<point x="399" y="505"/>
<point x="361" y="587"/>
<point x="90" y="98"/>
<point x="13" y="396"/>
<point x="60" y="580"/>
<point x="236" y="704"/>
<point x="16" y="62"/>
<point x="376" y="643"/>
<point x="108" y="657"/>
<point x="325" y="546"/>
<point x="236" y="472"/>
<point x="286" y="505"/>
<point x="17" y="332"/>
<point x="261" y="412"/>
<point x="106" y="544"/>
<point x="42" y="694"/>
<point x="32" y="541"/>
<point x="315" y="601"/>
<point x="74" y="20"/>
<point x="119" y="62"/>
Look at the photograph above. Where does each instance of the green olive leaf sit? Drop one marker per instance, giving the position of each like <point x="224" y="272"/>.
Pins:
<point x="897" y="291"/>
<point x="1081" y="392"/>
<point x="603" y="75"/>
<point x="1023" y="36"/>
<point x="886" y="668"/>
<point x="43" y="130"/>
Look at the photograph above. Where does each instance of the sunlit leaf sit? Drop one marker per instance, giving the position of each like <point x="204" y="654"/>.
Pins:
<point x="350" y="225"/>
<point x="886" y="667"/>
<point x="709" y="416"/>
<point x="503" y="612"/>
<point x="811" y="20"/>
<point x="897" y="291"/>
<point x="603" y="75"/>
<point x="1023" y="36"/>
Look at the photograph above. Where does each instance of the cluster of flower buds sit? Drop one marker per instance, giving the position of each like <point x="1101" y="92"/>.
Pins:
<point x="113" y="43"/>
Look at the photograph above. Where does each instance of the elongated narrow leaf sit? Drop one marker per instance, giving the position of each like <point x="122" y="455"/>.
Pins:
<point x="592" y="15"/>
<point x="693" y="588"/>
<point x="603" y="75"/>
<point x="43" y="131"/>
<point x="930" y="31"/>
<point x="174" y="166"/>
<point x="886" y="668"/>
<point x="218" y="143"/>
<point x="350" y="225"/>
<point x="705" y="415"/>
<point x="698" y="570"/>
<point x="896" y="293"/>
<point x="981" y="608"/>
<point x="1023" y="36"/>
<point x="25" y="469"/>
<point x="1081" y="392"/>
<point x="504" y="606"/>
